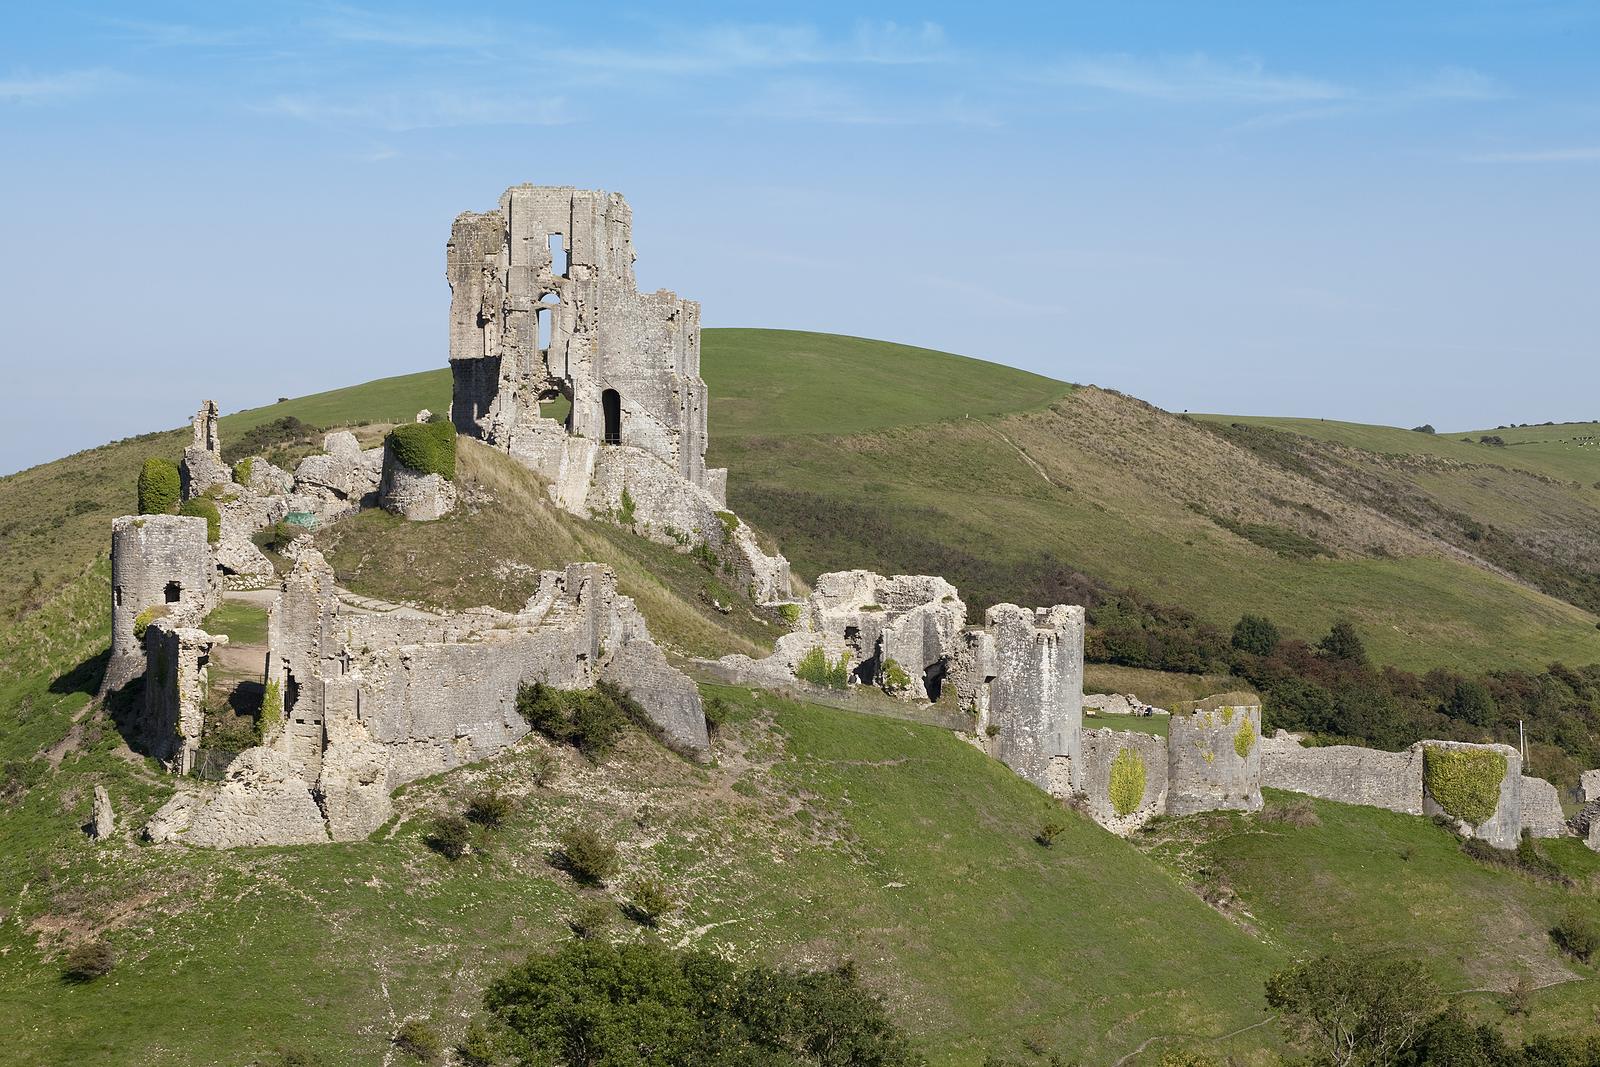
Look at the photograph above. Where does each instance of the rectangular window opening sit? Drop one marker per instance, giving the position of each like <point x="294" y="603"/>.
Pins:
<point x="558" y="255"/>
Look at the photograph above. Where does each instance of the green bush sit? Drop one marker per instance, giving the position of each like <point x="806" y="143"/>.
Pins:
<point x="1127" y="781"/>
<point x="1577" y="934"/>
<point x="1245" y="738"/>
<point x="419" y="1040"/>
<point x="203" y="507"/>
<point x="717" y="713"/>
<point x="814" y="667"/>
<point x="476" y="1048"/>
<point x="1048" y="833"/>
<point x="1465" y="782"/>
<point x="895" y="675"/>
<point x="1256" y="635"/>
<point x="648" y="900"/>
<point x="243" y="469"/>
<point x="449" y="836"/>
<point x="88" y="961"/>
<point x="586" y="855"/>
<point x="489" y="809"/>
<point x="789" y="613"/>
<point x="592" y="918"/>
<point x="591" y="719"/>
<point x="425" y="447"/>
<point x="625" y="510"/>
<point x="1358" y="1011"/>
<point x="597" y="1003"/>
<point x="160" y="486"/>
<point x="142" y="621"/>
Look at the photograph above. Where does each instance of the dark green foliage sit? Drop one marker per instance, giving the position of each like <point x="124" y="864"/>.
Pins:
<point x="1285" y="542"/>
<point x="88" y="961"/>
<point x="1048" y="833"/>
<point x="1577" y="934"/>
<point x="592" y="918"/>
<point x="476" y="1048"/>
<point x="262" y="439"/>
<point x="1492" y="439"/>
<point x="160" y="486"/>
<point x="203" y="507"/>
<point x="586" y="855"/>
<point x="419" y="1041"/>
<point x="1343" y="643"/>
<point x="1426" y="427"/>
<point x="648" y="900"/>
<point x="490" y="810"/>
<point x="591" y="1002"/>
<point x="591" y="719"/>
<point x="1131" y="630"/>
<point x="279" y="535"/>
<point x="1360" y="1011"/>
<point x="449" y="836"/>
<point x="716" y="710"/>
<point x="1256" y="635"/>
<point x="425" y="447"/>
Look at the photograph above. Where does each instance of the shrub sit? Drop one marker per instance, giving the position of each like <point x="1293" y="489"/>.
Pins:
<point x="1424" y="428"/>
<point x="261" y="439"/>
<point x="160" y="486"/>
<point x="591" y="719"/>
<point x="648" y="900"/>
<point x="142" y="621"/>
<point x="1465" y="782"/>
<point x="243" y="469"/>
<point x="449" y="836"/>
<point x="625" y="509"/>
<point x="789" y="613"/>
<point x="202" y="507"/>
<point x="1577" y="934"/>
<point x="543" y="766"/>
<point x="88" y="961"/>
<point x="814" y="667"/>
<point x="419" y="1040"/>
<point x="1127" y="781"/>
<point x="717" y="713"/>
<point x="895" y="675"/>
<point x="1048" y="833"/>
<point x="425" y="447"/>
<point x="1256" y="635"/>
<point x="271" y="711"/>
<point x="489" y="809"/>
<point x="476" y="1048"/>
<point x="280" y="535"/>
<point x="592" y="918"/>
<point x="992" y="730"/>
<point x="594" y="1002"/>
<point x="1343" y="643"/>
<point x="586" y="855"/>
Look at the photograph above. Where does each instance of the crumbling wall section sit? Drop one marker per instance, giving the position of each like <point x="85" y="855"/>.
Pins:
<point x="1028" y="693"/>
<point x="1345" y="773"/>
<point x="202" y="466"/>
<point x="177" y="685"/>
<point x="1541" y="808"/>
<point x="1214" y="760"/>
<point x="1123" y="781"/>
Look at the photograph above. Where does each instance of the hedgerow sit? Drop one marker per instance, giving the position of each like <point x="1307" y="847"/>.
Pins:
<point x="1465" y="782"/>
<point x="425" y="447"/>
<point x="160" y="486"/>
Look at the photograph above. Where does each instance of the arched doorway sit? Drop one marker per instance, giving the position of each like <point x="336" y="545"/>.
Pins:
<point x="611" y="409"/>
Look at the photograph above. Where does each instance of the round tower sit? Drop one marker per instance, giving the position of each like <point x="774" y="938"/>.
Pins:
<point x="160" y="565"/>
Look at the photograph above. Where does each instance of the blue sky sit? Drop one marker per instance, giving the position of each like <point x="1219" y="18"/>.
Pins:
<point x="1383" y="212"/>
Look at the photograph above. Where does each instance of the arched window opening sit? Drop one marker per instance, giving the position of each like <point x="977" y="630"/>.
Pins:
<point x="611" y="408"/>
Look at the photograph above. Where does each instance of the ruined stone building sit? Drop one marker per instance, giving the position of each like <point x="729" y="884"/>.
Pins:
<point x="544" y="308"/>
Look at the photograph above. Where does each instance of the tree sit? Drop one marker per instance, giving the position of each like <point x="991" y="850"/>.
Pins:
<point x="1256" y="635"/>
<point x="1471" y="702"/>
<point x="1343" y="643"/>
<point x="1354" y="1011"/>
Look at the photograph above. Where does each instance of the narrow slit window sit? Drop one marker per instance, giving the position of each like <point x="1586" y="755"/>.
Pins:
<point x="558" y="255"/>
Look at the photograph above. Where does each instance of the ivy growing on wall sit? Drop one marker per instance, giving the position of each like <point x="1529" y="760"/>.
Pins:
<point x="1127" y="781"/>
<point x="425" y="447"/>
<point x="1465" y="782"/>
<point x="1245" y="739"/>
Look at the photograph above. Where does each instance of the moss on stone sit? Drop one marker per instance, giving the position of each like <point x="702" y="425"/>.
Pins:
<point x="425" y="447"/>
<point x="789" y="613"/>
<point x="1127" y="781"/>
<point x="142" y="621"/>
<point x="1465" y="782"/>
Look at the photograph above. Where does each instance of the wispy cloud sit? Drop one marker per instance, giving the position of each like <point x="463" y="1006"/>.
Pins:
<point x="1546" y="155"/>
<point x="738" y="47"/>
<point x="354" y="25"/>
<point x="416" y="110"/>
<point x="23" y="87"/>
<point x="1191" y="78"/>
<point x="183" y="35"/>
<point x="818" y="100"/>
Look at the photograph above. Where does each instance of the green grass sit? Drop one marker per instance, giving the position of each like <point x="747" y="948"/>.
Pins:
<point x="243" y="622"/>
<point x="396" y="399"/>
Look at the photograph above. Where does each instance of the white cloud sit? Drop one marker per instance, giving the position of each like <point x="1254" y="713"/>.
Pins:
<point x="416" y="110"/>
<point x="355" y="25"/>
<point x="1192" y="78"/>
<point x="37" y="88"/>
<point x="816" y="100"/>
<point x="1547" y="155"/>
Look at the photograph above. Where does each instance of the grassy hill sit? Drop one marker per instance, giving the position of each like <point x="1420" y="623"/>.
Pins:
<point x="818" y="833"/>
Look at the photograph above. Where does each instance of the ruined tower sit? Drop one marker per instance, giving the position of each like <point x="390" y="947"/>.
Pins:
<point x="544" y="307"/>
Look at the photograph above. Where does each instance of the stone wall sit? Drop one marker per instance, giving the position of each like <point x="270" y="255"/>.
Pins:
<point x="1129" y="756"/>
<point x="202" y="466"/>
<point x="1541" y="808"/>
<point x="1345" y="773"/>
<point x="1022" y="678"/>
<point x="176" y="687"/>
<point x="161" y="565"/>
<point x="1214" y="760"/>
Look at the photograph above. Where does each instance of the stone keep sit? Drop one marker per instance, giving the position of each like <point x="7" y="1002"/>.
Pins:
<point x="1214" y="760"/>
<point x="544" y="305"/>
<point x="160" y="562"/>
